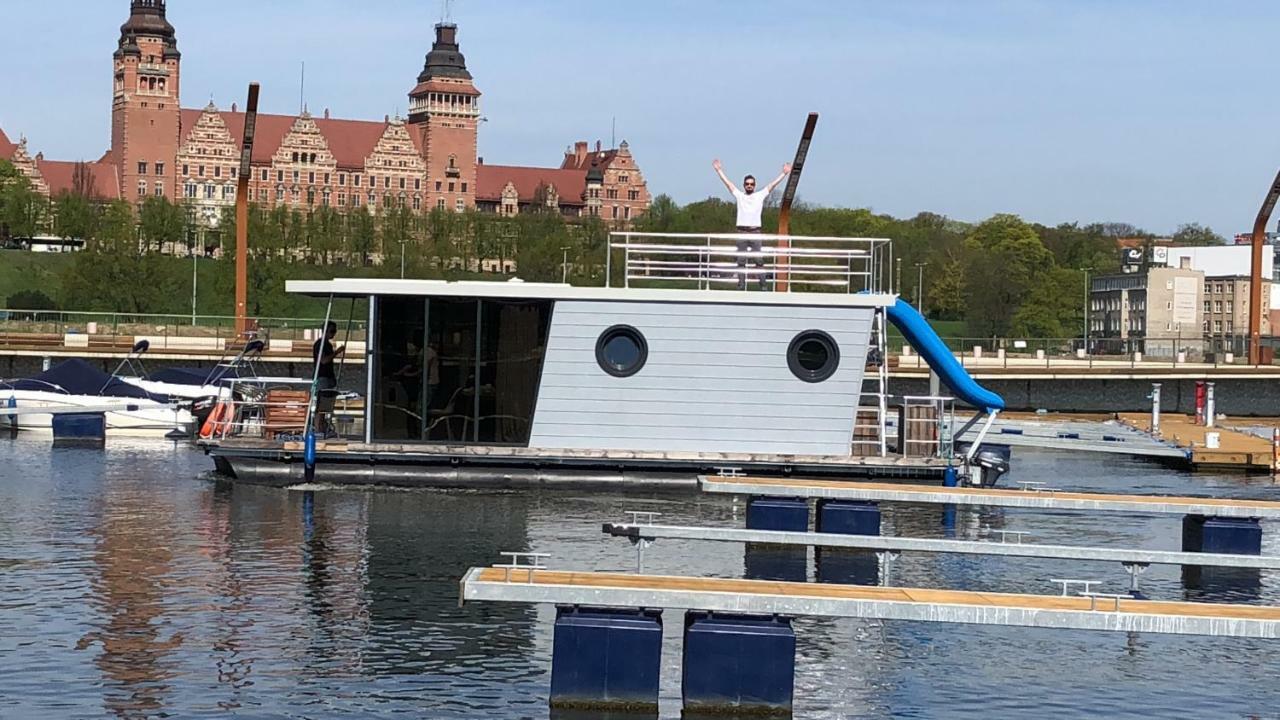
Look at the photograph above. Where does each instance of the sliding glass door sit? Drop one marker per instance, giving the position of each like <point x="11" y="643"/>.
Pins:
<point x="458" y="370"/>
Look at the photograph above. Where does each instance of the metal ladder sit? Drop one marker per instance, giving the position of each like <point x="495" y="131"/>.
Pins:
<point x="871" y="436"/>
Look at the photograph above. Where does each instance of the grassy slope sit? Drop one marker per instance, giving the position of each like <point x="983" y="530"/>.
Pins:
<point x="31" y="271"/>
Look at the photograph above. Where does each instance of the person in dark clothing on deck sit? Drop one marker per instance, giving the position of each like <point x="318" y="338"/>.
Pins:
<point x="322" y="356"/>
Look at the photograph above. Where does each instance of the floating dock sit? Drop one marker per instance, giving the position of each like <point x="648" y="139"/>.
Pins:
<point x="966" y="547"/>
<point x="1040" y="499"/>
<point x="1088" y="611"/>
<point x="1236" y="450"/>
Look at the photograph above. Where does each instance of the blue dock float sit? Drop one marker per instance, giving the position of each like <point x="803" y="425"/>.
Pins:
<point x="80" y="429"/>
<point x="765" y="562"/>
<point x="738" y="664"/>
<point x="844" y="565"/>
<point x="606" y="659"/>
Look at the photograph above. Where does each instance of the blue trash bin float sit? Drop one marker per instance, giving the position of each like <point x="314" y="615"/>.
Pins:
<point x="778" y="513"/>
<point x="606" y="659"/>
<point x="80" y="429"/>
<point x="738" y="664"/>
<point x="1235" y="536"/>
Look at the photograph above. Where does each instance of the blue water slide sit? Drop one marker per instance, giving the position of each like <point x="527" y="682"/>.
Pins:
<point x="920" y="334"/>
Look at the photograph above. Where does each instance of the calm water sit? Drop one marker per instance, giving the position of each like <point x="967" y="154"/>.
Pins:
<point x="133" y="585"/>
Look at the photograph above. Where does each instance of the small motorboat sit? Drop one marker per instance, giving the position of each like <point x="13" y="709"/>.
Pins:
<point x="76" y="384"/>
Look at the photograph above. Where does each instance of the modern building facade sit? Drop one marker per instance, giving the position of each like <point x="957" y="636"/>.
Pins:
<point x="1158" y="312"/>
<point x="423" y="162"/>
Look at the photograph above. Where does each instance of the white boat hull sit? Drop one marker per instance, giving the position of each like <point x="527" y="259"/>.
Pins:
<point x="126" y="417"/>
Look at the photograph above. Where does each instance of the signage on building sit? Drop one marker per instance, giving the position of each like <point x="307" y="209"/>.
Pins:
<point x="1130" y="259"/>
<point x="1185" y="290"/>
<point x="1160" y="255"/>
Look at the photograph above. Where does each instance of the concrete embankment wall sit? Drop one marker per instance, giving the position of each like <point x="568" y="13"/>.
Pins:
<point x="1239" y="397"/>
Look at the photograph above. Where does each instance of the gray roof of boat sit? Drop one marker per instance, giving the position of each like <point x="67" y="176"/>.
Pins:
<point x="516" y="289"/>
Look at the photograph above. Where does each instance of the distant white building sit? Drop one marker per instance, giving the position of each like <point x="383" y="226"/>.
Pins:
<point x="1223" y="261"/>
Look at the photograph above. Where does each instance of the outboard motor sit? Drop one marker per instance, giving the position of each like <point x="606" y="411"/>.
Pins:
<point x="989" y="464"/>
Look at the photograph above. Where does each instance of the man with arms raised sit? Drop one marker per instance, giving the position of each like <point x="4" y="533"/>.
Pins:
<point x="750" y="207"/>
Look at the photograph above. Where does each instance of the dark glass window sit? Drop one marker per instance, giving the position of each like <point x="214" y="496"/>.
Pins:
<point x="458" y="370"/>
<point x="621" y="351"/>
<point x="813" y="356"/>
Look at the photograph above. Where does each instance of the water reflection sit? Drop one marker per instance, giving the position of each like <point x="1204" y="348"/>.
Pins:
<point x="191" y="598"/>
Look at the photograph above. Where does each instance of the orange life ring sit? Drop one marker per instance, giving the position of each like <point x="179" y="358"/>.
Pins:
<point x="221" y="415"/>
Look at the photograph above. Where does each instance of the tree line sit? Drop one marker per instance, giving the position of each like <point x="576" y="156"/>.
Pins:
<point x="1002" y="276"/>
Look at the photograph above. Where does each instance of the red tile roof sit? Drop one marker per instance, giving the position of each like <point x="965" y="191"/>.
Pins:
<point x="350" y="141"/>
<point x="7" y="148"/>
<point x="491" y="179"/>
<point x="602" y="158"/>
<point x="60" y="175"/>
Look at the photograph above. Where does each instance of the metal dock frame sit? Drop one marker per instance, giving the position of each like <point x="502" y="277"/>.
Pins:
<point x="1038" y="498"/>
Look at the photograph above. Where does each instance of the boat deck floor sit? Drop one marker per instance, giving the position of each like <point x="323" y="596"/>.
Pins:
<point x="1025" y="498"/>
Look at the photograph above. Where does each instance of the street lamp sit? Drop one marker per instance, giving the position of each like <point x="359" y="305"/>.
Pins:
<point x="564" y="266"/>
<point x="920" y="286"/>
<point x="402" y="258"/>
<point x="897" y="283"/>
<point x="1086" y="309"/>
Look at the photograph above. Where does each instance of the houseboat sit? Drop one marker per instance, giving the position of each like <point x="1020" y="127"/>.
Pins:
<point x="668" y="370"/>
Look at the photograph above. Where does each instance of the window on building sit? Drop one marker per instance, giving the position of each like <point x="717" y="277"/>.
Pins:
<point x="386" y="182"/>
<point x="208" y="192"/>
<point x="326" y="178"/>
<point x="342" y="179"/>
<point x="438" y="186"/>
<point x="1217" y="306"/>
<point x="355" y="200"/>
<point x="297" y="176"/>
<point x="160" y="169"/>
<point x="1217" y="287"/>
<point x="235" y="172"/>
<point x="626" y="212"/>
<point x="311" y="197"/>
<point x="262" y="195"/>
<point x="1206" y="306"/>
<point x="279" y="176"/>
<point x="279" y="194"/>
<point x="439" y="203"/>
<point x="460" y="205"/>
<point x="417" y="183"/>
<point x="1217" y="326"/>
<point x="450" y="186"/>
<point x="417" y="203"/>
<point x="228" y="192"/>
<point x="464" y="187"/>
<point x="217" y="171"/>
<point x="1231" y="306"/>
<point x="403" y="183"/>
<point x="186" y="170"/>
<point x="159" y="189"/>
<point x="295" y="157"/>
<point x="312" y="159"/>
<point x="615" y="212"/>
<point x="190" y="190"/>
<point x="342" y="199"/>
<point x="265" y="175"/>
<point x="200" y="171"/>
<point x="633" y="194"/>
<point x="373" y="199"/>
<point x="311" y="178"/>
<point x="142" y="167"/>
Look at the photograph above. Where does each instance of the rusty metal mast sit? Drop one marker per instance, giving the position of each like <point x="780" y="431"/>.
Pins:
<point x="242" y="212"/>
<point x="788" y="197"/>
<point x="1255" y="275"/>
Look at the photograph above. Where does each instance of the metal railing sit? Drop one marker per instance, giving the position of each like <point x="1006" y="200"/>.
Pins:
<point x="927" y="426"/>
<point x="1074" y="353"/>
<point x="728" y="260"/>
<point x="16" y="322"/>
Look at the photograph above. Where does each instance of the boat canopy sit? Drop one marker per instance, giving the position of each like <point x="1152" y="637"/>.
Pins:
<point x="79" y="377"/>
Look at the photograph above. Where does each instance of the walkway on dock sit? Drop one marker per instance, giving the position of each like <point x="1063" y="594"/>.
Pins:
<point x="1042" y="498"/>
<point x="1235" y="448"/>
<point x="1015" y="548"/>
<point x="1091" y="611"/>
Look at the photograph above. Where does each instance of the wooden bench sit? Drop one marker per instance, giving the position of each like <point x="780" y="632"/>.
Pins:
<point x="286" y="411"/>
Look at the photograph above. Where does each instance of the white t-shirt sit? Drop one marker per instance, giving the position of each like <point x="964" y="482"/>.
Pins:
<point x="750" y="207"/>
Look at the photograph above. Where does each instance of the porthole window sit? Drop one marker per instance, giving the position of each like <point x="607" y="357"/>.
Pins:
<point x="813" y="356"/>
<point x="621" y="351"/>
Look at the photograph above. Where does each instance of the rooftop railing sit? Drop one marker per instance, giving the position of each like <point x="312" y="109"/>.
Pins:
<point x="728" y="261"/>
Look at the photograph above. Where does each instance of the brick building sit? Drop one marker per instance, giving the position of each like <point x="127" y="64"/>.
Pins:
<point x="424" y="162"/>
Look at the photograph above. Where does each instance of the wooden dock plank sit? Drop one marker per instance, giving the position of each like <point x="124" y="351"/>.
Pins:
<point x="924" y="604"/>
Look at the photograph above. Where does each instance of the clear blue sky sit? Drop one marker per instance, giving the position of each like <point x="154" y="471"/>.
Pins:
<point x="1155" y="113"/>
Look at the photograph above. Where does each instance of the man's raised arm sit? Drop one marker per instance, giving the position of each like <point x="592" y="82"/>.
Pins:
<point x="786" y="170"/>
<point x="733" y="190"/>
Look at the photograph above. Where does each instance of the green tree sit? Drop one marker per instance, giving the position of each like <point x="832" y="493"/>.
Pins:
<point x="30" y="300"/>
<point x="1197" y="235"/>
<point x="1003" y="261"/>
<point x="75" y="217"/>
<point x="1054" y="307"/>
<point x="160" y="222"/>
<point x="22" y="209"/>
